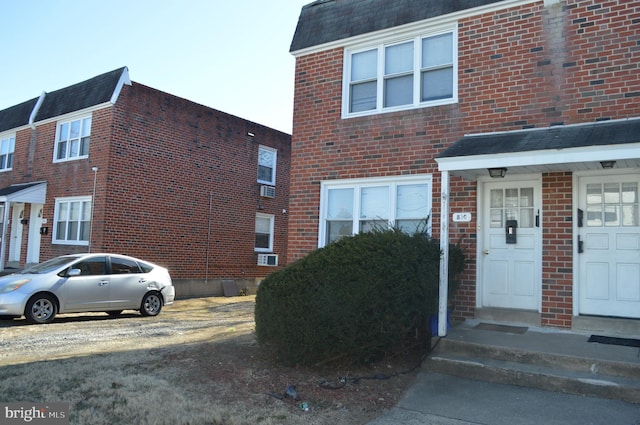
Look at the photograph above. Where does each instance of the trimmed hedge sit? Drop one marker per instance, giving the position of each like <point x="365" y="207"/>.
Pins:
<point x="354" y="300"/>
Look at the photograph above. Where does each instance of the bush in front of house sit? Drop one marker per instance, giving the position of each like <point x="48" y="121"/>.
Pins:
<point x="355" y="300"/>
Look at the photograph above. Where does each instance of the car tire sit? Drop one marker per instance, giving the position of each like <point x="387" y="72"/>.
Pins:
<point x="40" y="309"/>
<point x="114" y="313"/>
<point x="151" y="304"/>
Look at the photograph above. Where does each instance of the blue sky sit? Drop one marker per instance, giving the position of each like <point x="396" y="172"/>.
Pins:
<point x="231" y="55"/>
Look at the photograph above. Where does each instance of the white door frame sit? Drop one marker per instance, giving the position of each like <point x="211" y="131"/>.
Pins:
<point x="33" y="242"/>
<point x="576" y="230"/>
<point x="15" y="239"/>
<point x="482" y="210"/>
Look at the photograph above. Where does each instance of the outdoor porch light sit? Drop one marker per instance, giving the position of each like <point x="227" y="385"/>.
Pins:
<point x="607" y="164"/>
<point x="497" y="172"/>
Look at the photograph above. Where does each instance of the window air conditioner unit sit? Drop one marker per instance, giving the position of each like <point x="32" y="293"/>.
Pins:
<point x="267" y="191"/>
<point x="268" y="260"/>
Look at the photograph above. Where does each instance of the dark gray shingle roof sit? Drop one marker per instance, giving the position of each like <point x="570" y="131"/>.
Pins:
<point x="558" y="137"/>
<point x="92" y="92"/>
<point x="324" y="21"/>
<point x="17" y="115"/>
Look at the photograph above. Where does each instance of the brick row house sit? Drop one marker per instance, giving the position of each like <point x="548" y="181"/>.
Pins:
<point x="511" y="127"/>
<point x="110" y="165"/>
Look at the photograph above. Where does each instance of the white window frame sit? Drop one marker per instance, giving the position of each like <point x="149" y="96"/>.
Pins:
<point x="273" y="151"/>
<point x="357" y="185"/>
<point x="56" y="219"/>
<point x="69" y="155"/>
<point x="380" y="72"/>
<point x="271" y="219"/>
<point x="7" y="151"/>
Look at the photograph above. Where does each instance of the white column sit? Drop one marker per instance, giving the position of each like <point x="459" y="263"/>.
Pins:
<point x="444" y="254"/>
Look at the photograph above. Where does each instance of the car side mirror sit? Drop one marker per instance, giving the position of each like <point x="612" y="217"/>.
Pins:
<point x="74" y="272"/>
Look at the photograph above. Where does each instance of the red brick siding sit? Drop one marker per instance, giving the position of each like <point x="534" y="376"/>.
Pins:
<point x="160" y="158"/>
<point x="525" y="67"/>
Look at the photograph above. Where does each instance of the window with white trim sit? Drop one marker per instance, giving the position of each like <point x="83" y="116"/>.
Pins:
<point x="352" y="206"/>
<point x="72" y="221"/>
<point x="267" y="165"/>
<point x="264" y="233"/>
<point x="7" y="147"/>
<point x="412" y="73"/>
<point x="72" y="139"/>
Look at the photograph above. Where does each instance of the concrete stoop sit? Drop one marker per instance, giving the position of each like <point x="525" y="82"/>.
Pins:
<point x="571" y="374"/>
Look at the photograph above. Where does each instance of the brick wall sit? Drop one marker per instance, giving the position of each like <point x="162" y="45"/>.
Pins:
<point x="530" y="66"/>
<point x="176" y="184"/>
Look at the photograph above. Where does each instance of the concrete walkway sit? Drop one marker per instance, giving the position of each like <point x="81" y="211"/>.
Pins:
<point x="443" y="399"/>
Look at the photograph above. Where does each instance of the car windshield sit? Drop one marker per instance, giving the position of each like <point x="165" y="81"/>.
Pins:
<point x="49" y="265"/>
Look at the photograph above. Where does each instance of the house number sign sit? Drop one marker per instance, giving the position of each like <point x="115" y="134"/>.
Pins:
<point x="462" y="217"/>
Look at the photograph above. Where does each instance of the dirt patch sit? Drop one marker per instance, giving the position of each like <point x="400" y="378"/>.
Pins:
<point x="196" y="363"/>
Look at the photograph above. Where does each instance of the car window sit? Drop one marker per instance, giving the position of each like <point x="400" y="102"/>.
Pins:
<point x="123" y="266"/>
<point x="91" y="266"/>
<point x="48" y="266"/>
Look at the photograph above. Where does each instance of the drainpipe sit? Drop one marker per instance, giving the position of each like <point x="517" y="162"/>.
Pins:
<point x="444" y="254"/>
<point x="3" y="243"/>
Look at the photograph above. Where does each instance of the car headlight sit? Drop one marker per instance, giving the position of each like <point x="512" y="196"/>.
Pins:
<point x="12" y="286"/>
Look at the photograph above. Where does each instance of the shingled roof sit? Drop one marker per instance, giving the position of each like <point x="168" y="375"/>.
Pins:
<point x="603" y="134"/>
<point x="92" y="92"/>
<point x="325" y="21"/>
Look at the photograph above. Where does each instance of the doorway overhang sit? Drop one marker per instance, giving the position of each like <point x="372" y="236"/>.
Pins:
<point x="577" y="147"/>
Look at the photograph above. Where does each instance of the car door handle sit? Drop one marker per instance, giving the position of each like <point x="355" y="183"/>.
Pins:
<point x="142" y="280"/>
<point x="103" y="282"/>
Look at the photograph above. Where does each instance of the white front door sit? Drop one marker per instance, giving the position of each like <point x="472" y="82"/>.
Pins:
<point x="33" y="243"/>
<point x="511" y="245"/>
<point x="15" y="241"/>
<point x="609" y="246"/>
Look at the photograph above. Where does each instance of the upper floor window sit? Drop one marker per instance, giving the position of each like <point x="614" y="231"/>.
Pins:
<point x="348" y="207"/>
<point x="7" y="146"/>
<point x="72" y="139"/>
<point x="267" y="165"/>
<point x="264" y="233"/>
<point x="418" y="72"/>
<point x="72" y="217"/>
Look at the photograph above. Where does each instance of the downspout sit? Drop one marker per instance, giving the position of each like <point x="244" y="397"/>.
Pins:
<point x="444" y="254"/>
<point x="3" y="242"/>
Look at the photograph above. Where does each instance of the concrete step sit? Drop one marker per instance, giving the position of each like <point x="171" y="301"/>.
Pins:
<point x="571" y="374"/>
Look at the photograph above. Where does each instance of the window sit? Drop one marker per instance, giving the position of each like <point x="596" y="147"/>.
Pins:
<point x="72" y="139"/>
<point x="264" y="233"/>
<point x="613" y="204"/>
<point x="7" y="146"/>
<point x="267" y="165"/>
<point x="124" y="266"/>
<point x="95" y="266"/>
<point x="512" y="204"/>
<point x="72" y="221"/>
<point x="351" y="206"/>
<point x="418" y="72"/>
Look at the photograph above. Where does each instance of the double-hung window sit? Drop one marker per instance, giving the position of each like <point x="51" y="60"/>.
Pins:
<point x="72" y="139"/>
<point x="416" y="72"/>
<point x="361" y="205"/>
<point x="72" y="219"/>
<point x="7" y="147"/>
<point x="267" y="165"/>
<point x="264" y="233"/>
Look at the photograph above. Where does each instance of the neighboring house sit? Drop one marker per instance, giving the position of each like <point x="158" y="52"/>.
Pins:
<point x="512" y="127"/>
<point x="112" y="165"/>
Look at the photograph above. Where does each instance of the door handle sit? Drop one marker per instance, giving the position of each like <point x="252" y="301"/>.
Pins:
<point x="103" y="282"/>
<point x="485" y="252"/>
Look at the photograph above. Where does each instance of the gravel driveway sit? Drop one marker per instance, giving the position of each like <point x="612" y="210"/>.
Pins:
<point x="192" y="320"/>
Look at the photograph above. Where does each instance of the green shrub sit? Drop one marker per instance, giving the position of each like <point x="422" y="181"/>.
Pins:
<point x="354" y="300"/>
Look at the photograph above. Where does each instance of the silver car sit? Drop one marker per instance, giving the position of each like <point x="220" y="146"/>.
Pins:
<point x="84" y="283"/>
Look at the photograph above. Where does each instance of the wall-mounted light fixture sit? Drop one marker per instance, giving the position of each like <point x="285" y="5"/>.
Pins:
<point x="607" y="164"/>
<point x="497" y="172"/>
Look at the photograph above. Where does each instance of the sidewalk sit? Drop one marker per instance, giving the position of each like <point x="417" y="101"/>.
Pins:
<point x="441" y="399"/>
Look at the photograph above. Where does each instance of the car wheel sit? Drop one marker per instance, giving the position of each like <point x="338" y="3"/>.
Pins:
<point x="41" y="308"/>
<point x="151" y="304"/>
<point x="114" y="313"/>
